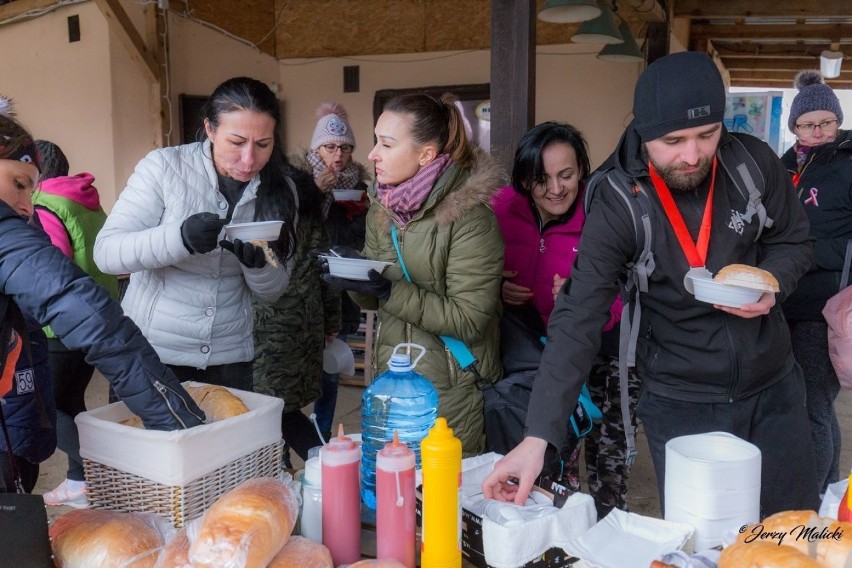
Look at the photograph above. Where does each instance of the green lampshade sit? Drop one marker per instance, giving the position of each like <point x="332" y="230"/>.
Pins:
<point x="626" y="52"/>
<point x="569" y="11"/>
<point x="600" y="30"/>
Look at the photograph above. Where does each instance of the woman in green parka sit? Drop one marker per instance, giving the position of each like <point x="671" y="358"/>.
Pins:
<point x="434" y="187"/>
<point x="291" y="332"/>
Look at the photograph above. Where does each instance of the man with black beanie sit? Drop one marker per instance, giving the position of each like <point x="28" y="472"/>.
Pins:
<point x="704" y="367"/>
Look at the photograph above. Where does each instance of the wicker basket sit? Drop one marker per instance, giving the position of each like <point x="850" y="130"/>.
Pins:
<point x="109" y="488"/>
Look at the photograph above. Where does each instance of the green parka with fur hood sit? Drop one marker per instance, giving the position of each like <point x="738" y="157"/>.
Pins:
<point x="453" y="251"/>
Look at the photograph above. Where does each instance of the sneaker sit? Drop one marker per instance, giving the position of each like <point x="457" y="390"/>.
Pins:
<point x="63" y="496"/>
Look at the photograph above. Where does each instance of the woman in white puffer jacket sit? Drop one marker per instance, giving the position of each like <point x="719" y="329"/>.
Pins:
<point x="190" y="292"/>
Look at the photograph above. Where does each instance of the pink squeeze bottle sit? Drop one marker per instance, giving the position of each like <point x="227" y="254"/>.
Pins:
<point x="341" y="499"/>
<point x="395" y="516"/>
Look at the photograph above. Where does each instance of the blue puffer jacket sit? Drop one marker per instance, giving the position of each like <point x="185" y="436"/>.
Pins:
<point x="29" y="407"/>
<point x="56" y="292"/>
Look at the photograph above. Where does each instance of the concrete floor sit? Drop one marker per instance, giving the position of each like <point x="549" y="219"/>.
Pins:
<point x="642" y="497"/>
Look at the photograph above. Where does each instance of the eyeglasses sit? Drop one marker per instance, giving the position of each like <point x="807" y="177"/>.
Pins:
<point x="825" y="126"/>
<point x="332" y="148"/>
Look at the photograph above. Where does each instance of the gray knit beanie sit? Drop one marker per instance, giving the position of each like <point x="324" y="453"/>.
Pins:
<point x="677" y="91"/>
<point x="53" y="160"/>
<point x="813" y="95"/>
<point x="332" y="126"/>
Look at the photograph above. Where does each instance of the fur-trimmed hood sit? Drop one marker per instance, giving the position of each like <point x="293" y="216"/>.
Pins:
<point x="456" y="192"/>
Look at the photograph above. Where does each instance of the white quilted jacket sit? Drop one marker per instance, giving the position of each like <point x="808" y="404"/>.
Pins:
<point x="195" y="309"/>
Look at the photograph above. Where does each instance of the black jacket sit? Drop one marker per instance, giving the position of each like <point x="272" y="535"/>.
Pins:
<point x="54" y="291"/>
<point x="687" y="350"/>
<point x="825" y="192"/>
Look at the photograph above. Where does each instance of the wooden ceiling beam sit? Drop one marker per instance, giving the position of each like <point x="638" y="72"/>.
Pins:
<point x="782" y="78"/>
<point x="21" y="7"/>
<point x="761" y="8"/>
<point x="788" y="64"/>
<point x="119" y="22"/>
<point x="747" y="82"/>
<point x="774" y="50"/>
<point x="828" y="32"/>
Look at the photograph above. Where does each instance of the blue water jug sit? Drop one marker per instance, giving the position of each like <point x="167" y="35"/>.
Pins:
<point x="399" y="399"/>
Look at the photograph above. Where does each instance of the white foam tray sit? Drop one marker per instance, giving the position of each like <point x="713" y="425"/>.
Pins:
<point x="181" y="456"/>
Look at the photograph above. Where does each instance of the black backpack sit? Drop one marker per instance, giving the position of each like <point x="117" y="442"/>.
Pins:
<point x="747" y="177"/>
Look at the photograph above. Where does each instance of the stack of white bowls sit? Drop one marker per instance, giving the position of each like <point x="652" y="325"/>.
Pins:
<point x="712" y="483"/>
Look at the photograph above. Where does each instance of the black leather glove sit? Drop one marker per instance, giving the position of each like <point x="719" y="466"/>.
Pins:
<point x="247" y="253"/>
<point x="200" y="232"/>
<point x="377" y="285"/>
<point x="347" y="252"/>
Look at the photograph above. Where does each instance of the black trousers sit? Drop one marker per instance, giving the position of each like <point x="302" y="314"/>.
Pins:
<point x="71" y="377"/>
<point x="233" y="375"/>
<point x="775" y="420"/>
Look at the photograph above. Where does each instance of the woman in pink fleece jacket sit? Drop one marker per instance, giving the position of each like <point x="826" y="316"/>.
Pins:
<point x="541" y="218"/>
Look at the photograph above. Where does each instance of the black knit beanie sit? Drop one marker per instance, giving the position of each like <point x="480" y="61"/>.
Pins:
<point x="53" y="160"/>
<point x="813" y="95"/>
<point x="680" y="90"/>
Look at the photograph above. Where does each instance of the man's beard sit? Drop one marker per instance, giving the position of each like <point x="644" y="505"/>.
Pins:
<point x="677" y="180"/>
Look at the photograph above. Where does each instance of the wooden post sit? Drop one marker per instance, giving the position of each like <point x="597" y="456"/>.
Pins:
<point x="512" y="75"/>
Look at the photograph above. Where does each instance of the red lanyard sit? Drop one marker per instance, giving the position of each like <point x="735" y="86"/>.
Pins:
<point x="696" y="253"/>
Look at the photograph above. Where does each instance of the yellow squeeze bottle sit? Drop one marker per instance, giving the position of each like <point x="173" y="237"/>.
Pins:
<point x="440" y="455"/>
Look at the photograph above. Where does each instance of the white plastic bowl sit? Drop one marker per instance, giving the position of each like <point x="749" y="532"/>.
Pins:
<point x="705" y="289"/>
<point x="353" y="268"/>
<point x="257" y="231"/>
<point x="347" y="194"/>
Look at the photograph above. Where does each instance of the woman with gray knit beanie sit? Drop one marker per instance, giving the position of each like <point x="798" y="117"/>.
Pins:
<point x="820" y="163"/>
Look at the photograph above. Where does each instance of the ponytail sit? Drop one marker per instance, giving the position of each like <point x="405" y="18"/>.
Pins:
<point x="458" y="145"/>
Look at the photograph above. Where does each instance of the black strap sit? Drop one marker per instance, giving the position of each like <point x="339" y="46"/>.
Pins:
<point x="844" y="276"/>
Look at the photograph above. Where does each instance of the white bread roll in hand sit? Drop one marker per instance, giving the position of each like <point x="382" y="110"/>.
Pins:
<point x="246" y="527"/>
<point x="301" y="552"/>
<point x="748" y="277"/>
<point x="176" y="552"/>
<point x="96" y="538"/>
<point x="765" y="554"/>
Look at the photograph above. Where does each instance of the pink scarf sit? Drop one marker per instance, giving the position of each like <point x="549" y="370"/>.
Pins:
<point x="406" y="199"/>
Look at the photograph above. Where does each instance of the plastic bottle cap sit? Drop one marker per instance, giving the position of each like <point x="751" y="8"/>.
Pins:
<point x="395" y="456"/>
<point x="340" y="450"/>
<point x="400" y="363"/>
<point x="440" y="430"/>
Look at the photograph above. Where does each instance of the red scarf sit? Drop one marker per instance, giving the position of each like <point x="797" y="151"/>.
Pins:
<point x="406" y="199"/>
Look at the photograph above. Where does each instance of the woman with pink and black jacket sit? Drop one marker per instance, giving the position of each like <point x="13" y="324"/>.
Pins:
<point x="541" y="218"/>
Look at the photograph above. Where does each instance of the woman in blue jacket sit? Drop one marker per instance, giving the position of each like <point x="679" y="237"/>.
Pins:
<point x="38" y="279"/>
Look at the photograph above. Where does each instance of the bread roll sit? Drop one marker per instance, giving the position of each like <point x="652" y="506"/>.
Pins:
<point x="783" y="522"/>
<point x="95" y="538"/>
<point x="267" y="252"/>
<point x="747" y="277"/>
<point x="301" y="552"/>
<point x="835" y="552"/>
<point x="246" y="527"/>
<point x="217" y="402"/>
<point x="176" y="553"/>
<point x="763" y="554"/>
<point x="377" y="563"/>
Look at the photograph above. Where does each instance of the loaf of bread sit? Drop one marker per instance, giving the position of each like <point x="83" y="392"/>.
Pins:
<point x="782" y="523"/>
<point x="176" y="552"/>
<point x="217" y="402"/>
<point x="378" y="563"/>
<point x="835" y="552"/>
<point x="301" y="552"/>
<point x="747" y="277"/>
<point x="246" y="527"/>
<point x="96" y="538"/>
<point x="763" y="554"/>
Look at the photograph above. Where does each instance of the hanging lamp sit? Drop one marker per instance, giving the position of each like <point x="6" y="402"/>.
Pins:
<point x="626" y="52"/>
<point x="600" y="30"/>
<point x="569" y="11"/>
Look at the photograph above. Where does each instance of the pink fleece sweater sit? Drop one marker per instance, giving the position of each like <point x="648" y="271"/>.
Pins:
<point x="77" y="188"/>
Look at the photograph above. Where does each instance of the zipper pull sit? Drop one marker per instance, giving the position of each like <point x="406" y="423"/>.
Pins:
<point x="541" y="247"/>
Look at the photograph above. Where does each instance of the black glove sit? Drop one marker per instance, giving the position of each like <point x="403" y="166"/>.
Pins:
<point x="377" y="285"/>
<point x="347" y="252"/>
<point x="247" y="253"/>
<point x="200" y="232"/>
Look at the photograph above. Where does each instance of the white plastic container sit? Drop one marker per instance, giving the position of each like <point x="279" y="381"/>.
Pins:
<point x="353" y="268"/>
<point x="311" y="521"/>
<point x="699" y="283"/>
<point x="181" y="456"/>
<point x="257" y="231"/>
<point x="712" y="483"/>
